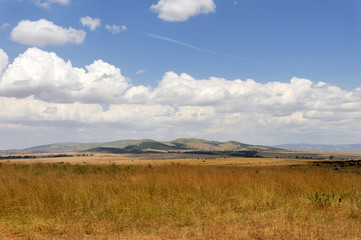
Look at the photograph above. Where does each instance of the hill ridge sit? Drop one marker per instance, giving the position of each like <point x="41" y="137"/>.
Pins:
<point x="144" y="145"/>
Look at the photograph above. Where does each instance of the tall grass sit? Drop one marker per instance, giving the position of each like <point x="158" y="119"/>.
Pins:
<point x="53" y="201"/>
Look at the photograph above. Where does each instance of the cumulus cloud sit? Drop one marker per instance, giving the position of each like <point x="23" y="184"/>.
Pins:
<point x="39" y="88"/>
<point x="90" y="22"/>
<point x="43" y="32"/>
<point x="47" y="77"/>
<point x="182" y="10"/>
<point x="115" y="28"/>
<point x="47" y="3"/>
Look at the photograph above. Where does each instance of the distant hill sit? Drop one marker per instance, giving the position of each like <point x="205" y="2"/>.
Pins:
<point x="178" y="145"/>
<point x="71" y="147"/>
<point x="145" y="145"/>
<point x="201" y="144"/>
<point x="320" y="147"/>
<point x="182" y="145"/>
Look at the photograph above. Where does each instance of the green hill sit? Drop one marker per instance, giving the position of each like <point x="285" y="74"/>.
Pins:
<point x="204" y="145"/>
<point x="145" y="145"/>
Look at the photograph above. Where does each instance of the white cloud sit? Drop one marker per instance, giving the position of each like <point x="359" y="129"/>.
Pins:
<point x="115" y="28"/>
<point x="47" y="3"/>
<point x="5" y="25"/>
<point x="90" y="22"/>
<point x="40" y="89"/>
<point x="182" y="10"/>
<point x="140" y="71"/>
<point x="62" y="2"/>
<point x="139" y="94"/>
<point x="4" y="60"/>
<point x="47" y="77"/>
<point x="43" y="32"/>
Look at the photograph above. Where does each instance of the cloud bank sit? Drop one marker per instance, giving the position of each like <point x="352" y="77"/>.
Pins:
<point x="40" y="89"/>
<point x="43" y="32"/>
<point x="182" y="10"/>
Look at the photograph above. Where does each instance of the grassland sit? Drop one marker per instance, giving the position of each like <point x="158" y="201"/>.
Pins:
<point x="177" y="200"/>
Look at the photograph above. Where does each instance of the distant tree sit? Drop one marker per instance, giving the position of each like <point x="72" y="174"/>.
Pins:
<point x="331" y="157"/>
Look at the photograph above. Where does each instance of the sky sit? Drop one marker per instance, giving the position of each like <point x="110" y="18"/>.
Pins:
<point x="261" y="72"/>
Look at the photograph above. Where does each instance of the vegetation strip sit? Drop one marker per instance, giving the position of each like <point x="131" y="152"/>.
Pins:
<point x="34" y="156"/>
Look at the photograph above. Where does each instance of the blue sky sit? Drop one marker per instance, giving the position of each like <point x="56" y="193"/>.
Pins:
<point x="269" y="41"/>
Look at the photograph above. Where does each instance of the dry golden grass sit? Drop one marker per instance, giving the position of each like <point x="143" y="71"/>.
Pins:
<point x="178" y="201"/>
<point x="160" y="159"/>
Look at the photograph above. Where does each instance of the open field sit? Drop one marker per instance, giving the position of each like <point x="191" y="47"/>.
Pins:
<point x="267" y="158"/>
<point x="157" y="159"/>
<point x="180" y="199"/>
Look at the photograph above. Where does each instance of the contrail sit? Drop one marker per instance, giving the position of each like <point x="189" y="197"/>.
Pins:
<point x="201" y="49"/>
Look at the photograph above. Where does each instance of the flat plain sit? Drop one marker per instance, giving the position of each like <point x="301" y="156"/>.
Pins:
<point x="110" y="196"/>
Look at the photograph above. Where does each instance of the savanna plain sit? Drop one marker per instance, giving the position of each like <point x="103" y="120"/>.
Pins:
<point x="181" y="199"/>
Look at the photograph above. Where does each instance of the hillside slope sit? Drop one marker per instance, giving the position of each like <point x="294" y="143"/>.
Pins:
<point x="145" y="145"/>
